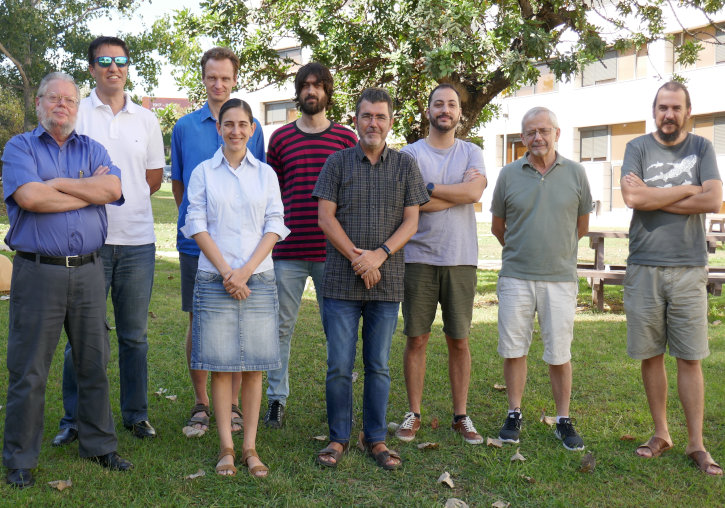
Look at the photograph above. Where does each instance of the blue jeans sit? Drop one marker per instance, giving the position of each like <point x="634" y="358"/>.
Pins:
<point x="291" y="278"/>
<point x="129" y="275"/>
<point x="341" y="319"/>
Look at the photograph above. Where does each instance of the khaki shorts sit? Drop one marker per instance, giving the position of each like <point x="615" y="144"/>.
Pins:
<point x="426" y="285"/>
<point x="666" y="305"/>
<point x="555" y="303"/>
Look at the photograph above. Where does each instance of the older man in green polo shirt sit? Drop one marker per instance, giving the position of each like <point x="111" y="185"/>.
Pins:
<point x="540" y="209"/>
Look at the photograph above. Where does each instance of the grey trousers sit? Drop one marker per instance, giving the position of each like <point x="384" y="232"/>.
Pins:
<point x="43" y="299"/>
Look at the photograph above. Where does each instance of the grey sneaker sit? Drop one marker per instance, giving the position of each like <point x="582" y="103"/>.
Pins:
<point x="465" y="427"/>
<point x="568" y="435"/>
<point x="511" y="429"/>
<point x="274" y="418"/>
<point x="406" y="431"/>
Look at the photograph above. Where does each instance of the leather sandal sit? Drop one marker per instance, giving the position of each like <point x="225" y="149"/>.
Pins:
<point x="261" y="468"/>
<point x="382" y="457"/>
<point x="199" y="420"/>
<point x="237" y="420"/>
<point x="220" y="469"/>
<point x="703" y="461"/>
<point x="656" y="445"/>
<point x="332" y="453"/>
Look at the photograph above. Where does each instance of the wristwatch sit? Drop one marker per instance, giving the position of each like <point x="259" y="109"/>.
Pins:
<point x="430" y="188"/>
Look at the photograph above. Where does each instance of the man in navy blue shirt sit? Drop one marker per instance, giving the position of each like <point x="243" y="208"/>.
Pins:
<point x="56" y="184"/>
<point x="194" y="140"/>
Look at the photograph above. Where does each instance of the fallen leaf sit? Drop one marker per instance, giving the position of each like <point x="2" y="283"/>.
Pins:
<point x="434" y="423"/>
<point x="548" y="420"/>
<point x="392" y="427"/>
<point x="501" y="504"/>
<point x="172" y="398"/>
<point x="354" y="376"/>
<point x="500" y="388"/>
<point x="160" y="391"/>
<point x="454" y="502"/>
<point x="588" y="463"/>
<point x="193" y="431"/>
<point x="428" y="446"/>
<point x="517" y="457"/>
<point x="170" y="277"/>
<point x="528" y="479"/>
<point x="61" y="485"/>
<point x="496" y="443"/>
<point x="446" y="479"/>
<point x="627" y="437"/>
<point x="716" y="322"/>
<point x="198" y="474"/>
<point x="321" y="437"/>
<point x="152" y="315"/>
<point x="5" y="297"/>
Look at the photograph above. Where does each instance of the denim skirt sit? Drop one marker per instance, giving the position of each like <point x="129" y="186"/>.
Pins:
<point x="231" y="335"/>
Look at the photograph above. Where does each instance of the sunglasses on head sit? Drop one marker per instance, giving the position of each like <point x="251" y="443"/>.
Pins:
<point x="105" y="61"/>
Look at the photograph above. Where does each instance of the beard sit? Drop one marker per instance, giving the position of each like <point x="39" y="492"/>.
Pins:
<point x="50" y="124"/>
<point x="443" y="128"/>
<point x="313" y="108"/>
<point x="672" y="136"/>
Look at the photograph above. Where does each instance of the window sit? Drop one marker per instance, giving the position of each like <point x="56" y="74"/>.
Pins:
<point x="279" y="112"/>
<point x="294" y="54"/>
<point x="594" y="144"/>
<point x="603" y="71"/>
<point x="718" y="139"/>
<point x="719" y="46"/>
<point x="545" y="83"/>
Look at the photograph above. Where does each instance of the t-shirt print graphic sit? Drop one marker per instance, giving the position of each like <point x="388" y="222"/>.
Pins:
<point x="668" y="174"/>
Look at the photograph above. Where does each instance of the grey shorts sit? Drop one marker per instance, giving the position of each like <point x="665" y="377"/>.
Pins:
<point x="426" y="285"/>
<point x="188" y="265"/>
<point x="666" y="306"/>
<point x="554" y="302"/>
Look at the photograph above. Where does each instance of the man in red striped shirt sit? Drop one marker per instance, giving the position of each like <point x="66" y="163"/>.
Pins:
<point x="297" y="152"/>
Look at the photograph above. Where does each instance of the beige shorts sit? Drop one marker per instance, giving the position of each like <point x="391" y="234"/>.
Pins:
<point x="666" y="306"/>
<point x="555" y="304"/>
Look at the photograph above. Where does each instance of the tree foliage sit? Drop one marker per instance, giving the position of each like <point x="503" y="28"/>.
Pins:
<point x="484" y="47"/>
<point x="41" y="36"/>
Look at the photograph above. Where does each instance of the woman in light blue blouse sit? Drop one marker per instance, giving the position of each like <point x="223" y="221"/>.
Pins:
<point x="236" y="216"/>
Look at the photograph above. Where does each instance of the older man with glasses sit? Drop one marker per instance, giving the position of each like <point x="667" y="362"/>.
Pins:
<point x="56" y="185"/>
<point x="540" y="208"/>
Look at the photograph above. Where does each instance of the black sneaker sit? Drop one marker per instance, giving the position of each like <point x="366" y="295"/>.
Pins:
<point x="511" y="429"/>
<point x="568" y="435"/>
<point x="275" y="415"/>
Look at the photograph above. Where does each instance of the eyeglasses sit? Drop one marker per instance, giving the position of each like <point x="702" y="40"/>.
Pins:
<point x="367" y="117"/>
<point x="105" y="61"/>
<point x="532" y="133"/>
<point x="54" y="98"/>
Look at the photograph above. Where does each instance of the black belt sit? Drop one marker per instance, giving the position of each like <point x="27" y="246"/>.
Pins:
<point x="67" y="261"/>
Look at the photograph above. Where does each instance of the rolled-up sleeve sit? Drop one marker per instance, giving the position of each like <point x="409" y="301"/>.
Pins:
<point x="274" y="213"/>
<point x="196" y="217"/>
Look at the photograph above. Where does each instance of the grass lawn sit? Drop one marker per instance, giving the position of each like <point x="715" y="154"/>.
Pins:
<point x="608" y="402"/>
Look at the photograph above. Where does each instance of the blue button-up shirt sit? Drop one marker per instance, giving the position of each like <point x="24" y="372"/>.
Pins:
<point x="35" y="157"/>
<point x="194" y="140"/>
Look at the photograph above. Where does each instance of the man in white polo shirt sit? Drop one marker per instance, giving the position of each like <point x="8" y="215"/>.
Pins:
<point x="132" y="136"/>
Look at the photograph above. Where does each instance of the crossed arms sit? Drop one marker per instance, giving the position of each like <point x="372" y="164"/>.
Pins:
<point x="448" y="196"/>
<point x="680" y="199"/>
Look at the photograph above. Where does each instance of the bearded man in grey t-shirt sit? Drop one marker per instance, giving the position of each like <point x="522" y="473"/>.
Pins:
<point x="441" y="259"/>
<point x="670" y="178"/>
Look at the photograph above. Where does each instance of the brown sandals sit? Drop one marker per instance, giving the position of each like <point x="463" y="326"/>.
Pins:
<point x="237" y="419"/>
<point x="703" y="461"/>
<point x="332" y="453"/>
<point x="221" y="469"/>
<point x="656" y="445"/>
<point x="382" y="457"/>
<point x="256" y="470"/>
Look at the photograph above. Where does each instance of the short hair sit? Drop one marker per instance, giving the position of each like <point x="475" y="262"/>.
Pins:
<point x="105" y="40"/>
<point x="673" y="86"/>
<point x="219" y="53"/>
<point x="323" y="76"/>
<point x="440" y="87"/>
<point x="235" y="103"/>
<point x="537" y="111"/>
<point x="59" y="76"/>
<point x="374" y="95"/>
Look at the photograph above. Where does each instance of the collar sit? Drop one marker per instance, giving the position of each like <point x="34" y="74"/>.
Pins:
<point x="361" y="155"/>
<point x="205" y="113"/>
<point x="525" y="162"/>
<point x="40" y="130"/>
<point x="218" y="159"/>
<point x="128" y="104"/>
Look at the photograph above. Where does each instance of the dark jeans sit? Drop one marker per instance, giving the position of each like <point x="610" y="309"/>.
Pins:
<point x="129" y="275"/>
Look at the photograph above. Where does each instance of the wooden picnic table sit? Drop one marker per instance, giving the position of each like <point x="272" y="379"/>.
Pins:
<point x="600" y="274"/>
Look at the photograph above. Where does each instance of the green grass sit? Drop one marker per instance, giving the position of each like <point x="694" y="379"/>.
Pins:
<point x="608" y="402"/>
